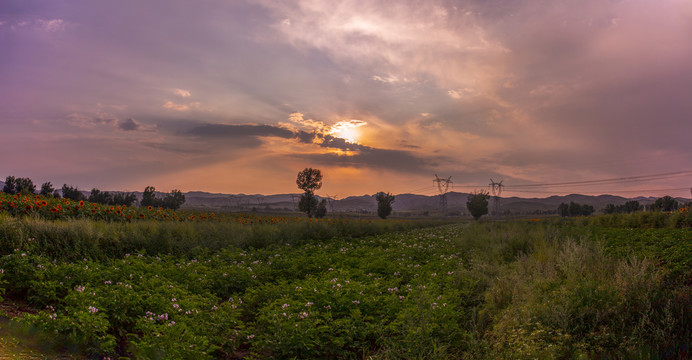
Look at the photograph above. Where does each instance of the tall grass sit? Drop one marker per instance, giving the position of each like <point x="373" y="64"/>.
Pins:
<point x="548" y="295"/>
<point x="81" y="238"/>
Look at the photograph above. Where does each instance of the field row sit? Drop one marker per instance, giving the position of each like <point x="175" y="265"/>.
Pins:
<point x="493" y="290"/>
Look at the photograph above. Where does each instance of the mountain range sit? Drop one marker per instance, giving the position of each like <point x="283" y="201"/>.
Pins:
<point x="404" y="204"/>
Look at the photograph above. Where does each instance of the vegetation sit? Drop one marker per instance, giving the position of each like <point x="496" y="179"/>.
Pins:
<point x="666" y="203"/>
<point x="575" y="209"/>
<point x="171" y="201"/>
<point x="309" y="180"/>
<point x="384" y="204"/>
<point x="72" y="193"/>
<point x="628" y="207"/>
<point x="149" y="282"/>
<point x="18" y="186"/>
<point x="477" y="203"/>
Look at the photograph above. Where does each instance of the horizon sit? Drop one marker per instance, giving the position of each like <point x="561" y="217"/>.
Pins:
<point x="230" y="98"/>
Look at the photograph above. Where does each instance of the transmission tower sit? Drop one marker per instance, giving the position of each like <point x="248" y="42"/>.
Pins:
<point x="330" y="202"/>
<point x="496" y="189"/>
<point x="293" y="200"/>
<point x="443" y="186"/>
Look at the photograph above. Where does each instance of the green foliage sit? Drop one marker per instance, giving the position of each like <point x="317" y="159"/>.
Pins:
<point x="321" y="210"/>
<point x="149" y="197"/>
<point x="666" y="203"/>
<point x="47" y="189"/>
<point x="575" y="209"/>
<point x="477" y="203"/>
<point x="563" y="288"/>
<point x="100" y="197"/>
<point x="628" y="207"/>
<point x="72" y="193"/>
<point x="384" y="204"/>
<point x="309" y="180"/>
<point x="172" y="201"/>
<point x="308" y="204"/>
<point x="10" y="185"/>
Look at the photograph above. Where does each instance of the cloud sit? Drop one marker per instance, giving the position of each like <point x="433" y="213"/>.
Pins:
<point x="182" y="93"/>
<point x="384" y="159"/>
<point x="53" y="26"/>
<point x="128" y="124"/>
<point x="181" y="107"/>
<point x="236" y="131"/>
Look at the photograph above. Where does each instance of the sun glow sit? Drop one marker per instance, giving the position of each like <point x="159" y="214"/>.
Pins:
<point x="347" y="130"/>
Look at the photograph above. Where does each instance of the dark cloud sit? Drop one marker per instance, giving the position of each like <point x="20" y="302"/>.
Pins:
<point x="233" y="131"/>
<point x="384" y="159"/>
<point x="128" y="125"/>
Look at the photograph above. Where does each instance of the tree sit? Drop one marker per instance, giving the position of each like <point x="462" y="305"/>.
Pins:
<point x="576" y="209"/>
<point x="101" y="197"/>
<point x="563" y="210"/>
<point x="25" y="186"/>
<point x="321" y="210"/>
<point x="10" y="185"/>
<point x="666" y="203"/>
<point x="384" y="204"/>
<point x="72" y="193"/>
<point x="149" y="197"/>
<point x="309" y="180"/>
<point x="126" y="199"/>
<point x="308" y="204"/>
<point x="477" y="203"/>
<point x="173" y="200"/>
<point x="632" y="206"/>
<point x="47" y="189"/>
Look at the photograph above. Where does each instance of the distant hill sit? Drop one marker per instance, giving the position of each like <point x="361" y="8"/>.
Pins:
<point x="404" y="203"/>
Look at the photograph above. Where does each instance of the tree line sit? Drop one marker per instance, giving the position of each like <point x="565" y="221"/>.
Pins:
<point x="25" y="186"/>
<point x="309" y="180"/>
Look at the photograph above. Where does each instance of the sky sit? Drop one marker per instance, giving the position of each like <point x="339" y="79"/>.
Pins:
<point x="239" y="96"/>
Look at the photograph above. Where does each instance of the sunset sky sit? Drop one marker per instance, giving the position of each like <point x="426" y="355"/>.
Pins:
<point x="238" y="96"/>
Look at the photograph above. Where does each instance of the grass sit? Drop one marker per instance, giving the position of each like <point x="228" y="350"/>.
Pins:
<point x="584" y="288"/>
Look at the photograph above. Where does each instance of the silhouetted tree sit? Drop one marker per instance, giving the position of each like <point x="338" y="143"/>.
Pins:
<point x="321" y="209"/>
<point x="72" y="193"/>
<point x="149" y="197"/>
<point x="170" y="201"/>
<point x="384" y="204"/>
<point x="10" y="185"/>
<point x="25" y="186"/>
<point x="575" y="209"/>
<point x="101" y="197"/>
<point x="477" y="203"/>
<point x="309" y="180"/>
<point x="127" y="199"/>
<point x="666" y="203"/>
<point x="173" y="200"/>
<point x="563" y="210"/>
<point x="308" y="204"/>
<point x="46" y="189"/>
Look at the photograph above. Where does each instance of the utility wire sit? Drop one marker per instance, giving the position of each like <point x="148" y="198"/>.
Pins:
<point x="606" y="181"/>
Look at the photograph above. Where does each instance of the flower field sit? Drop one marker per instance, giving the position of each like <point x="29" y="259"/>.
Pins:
<point x="522" y="289"/>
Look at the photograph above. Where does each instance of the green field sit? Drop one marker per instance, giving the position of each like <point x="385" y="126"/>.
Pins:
<point x="586" y="288"/>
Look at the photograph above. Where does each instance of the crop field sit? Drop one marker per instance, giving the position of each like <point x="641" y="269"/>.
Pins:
<point x="157" y="288"/>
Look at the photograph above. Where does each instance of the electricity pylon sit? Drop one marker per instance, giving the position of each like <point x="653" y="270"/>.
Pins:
<point x="496" y="189"/>
<point x="443" y="186"/>
<point x="330" y="202"/>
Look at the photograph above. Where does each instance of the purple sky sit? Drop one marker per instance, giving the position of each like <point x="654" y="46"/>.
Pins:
<point x="238" y="96"/>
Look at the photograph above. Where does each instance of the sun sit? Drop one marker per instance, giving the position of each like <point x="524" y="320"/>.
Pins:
<point x="347" y="130"/>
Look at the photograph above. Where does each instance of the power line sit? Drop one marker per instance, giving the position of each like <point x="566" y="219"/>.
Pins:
<point x="607" y="181"/>
<point x="443" y="191"/>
